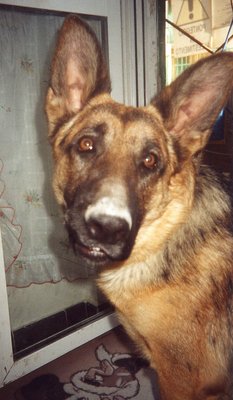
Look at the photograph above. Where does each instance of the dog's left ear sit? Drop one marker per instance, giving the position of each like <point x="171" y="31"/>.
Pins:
<point x="191" y="104"/>
<point x="78" y="71"/>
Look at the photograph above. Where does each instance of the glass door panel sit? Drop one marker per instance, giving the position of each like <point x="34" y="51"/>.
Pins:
<point x="49" y="294"/>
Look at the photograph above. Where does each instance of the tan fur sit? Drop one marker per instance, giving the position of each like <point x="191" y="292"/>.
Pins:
<point x="172" y="284"/>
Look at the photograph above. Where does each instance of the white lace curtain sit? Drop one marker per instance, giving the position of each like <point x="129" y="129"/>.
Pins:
<point x="34" y="241"/>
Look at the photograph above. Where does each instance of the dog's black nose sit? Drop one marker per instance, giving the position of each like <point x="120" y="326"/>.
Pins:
<point x="108" y="229"/>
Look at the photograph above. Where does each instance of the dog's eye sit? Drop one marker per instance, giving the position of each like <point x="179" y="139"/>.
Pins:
<point x="151" y="161"/>
<point x="86" y="144"/>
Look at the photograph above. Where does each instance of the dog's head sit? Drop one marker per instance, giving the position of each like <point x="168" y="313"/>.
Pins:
<point x="125" y="176"/>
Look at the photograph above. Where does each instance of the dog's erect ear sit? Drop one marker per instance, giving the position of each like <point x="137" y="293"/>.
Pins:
<point x="191" y="104"/>
<point x="78" y="70"/>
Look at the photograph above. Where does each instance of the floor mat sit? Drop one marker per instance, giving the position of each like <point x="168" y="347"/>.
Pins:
<point x="106" y="368"/>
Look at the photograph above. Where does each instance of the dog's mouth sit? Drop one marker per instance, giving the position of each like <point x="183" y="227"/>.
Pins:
<point x="94" y="253"/>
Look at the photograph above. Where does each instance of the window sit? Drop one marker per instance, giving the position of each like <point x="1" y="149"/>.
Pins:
<point x="196" y="29"/>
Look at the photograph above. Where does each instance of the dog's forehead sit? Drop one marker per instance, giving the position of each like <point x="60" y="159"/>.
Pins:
<point x="125" y="120"/>
<point x="118" y="123"/>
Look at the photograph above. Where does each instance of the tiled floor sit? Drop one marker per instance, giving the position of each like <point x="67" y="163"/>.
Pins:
<point x="104" y="369"/>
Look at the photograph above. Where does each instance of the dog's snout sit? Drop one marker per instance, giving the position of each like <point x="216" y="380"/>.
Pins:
<point x="108" y="221"/>
<point x="108" y="229"/>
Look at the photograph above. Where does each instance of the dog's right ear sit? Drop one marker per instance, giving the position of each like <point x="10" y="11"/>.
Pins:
<point x="78" y="71"/>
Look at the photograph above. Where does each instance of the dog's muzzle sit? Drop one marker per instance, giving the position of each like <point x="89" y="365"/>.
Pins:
<point x="102" y="232"/>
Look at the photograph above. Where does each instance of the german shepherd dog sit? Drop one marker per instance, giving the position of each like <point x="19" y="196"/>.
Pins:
<point x="139" y="204"/>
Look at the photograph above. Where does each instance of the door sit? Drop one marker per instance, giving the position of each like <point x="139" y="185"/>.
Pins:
<point x="32" y="295"/>
<point x="41" y="285"/>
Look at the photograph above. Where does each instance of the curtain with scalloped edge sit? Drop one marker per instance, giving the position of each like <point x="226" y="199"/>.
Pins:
<point x="35" y="244"/>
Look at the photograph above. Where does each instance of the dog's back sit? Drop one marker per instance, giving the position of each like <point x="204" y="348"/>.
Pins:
<point x="140" y="206"/>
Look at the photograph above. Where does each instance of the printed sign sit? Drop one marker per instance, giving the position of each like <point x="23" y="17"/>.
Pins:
<point x="193" y="16"/>
<point x="222" y="13"/>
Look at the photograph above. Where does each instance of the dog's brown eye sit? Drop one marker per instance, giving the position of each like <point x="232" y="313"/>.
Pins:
<point x="85" y="144"/>
<point x="151" y="161"/>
